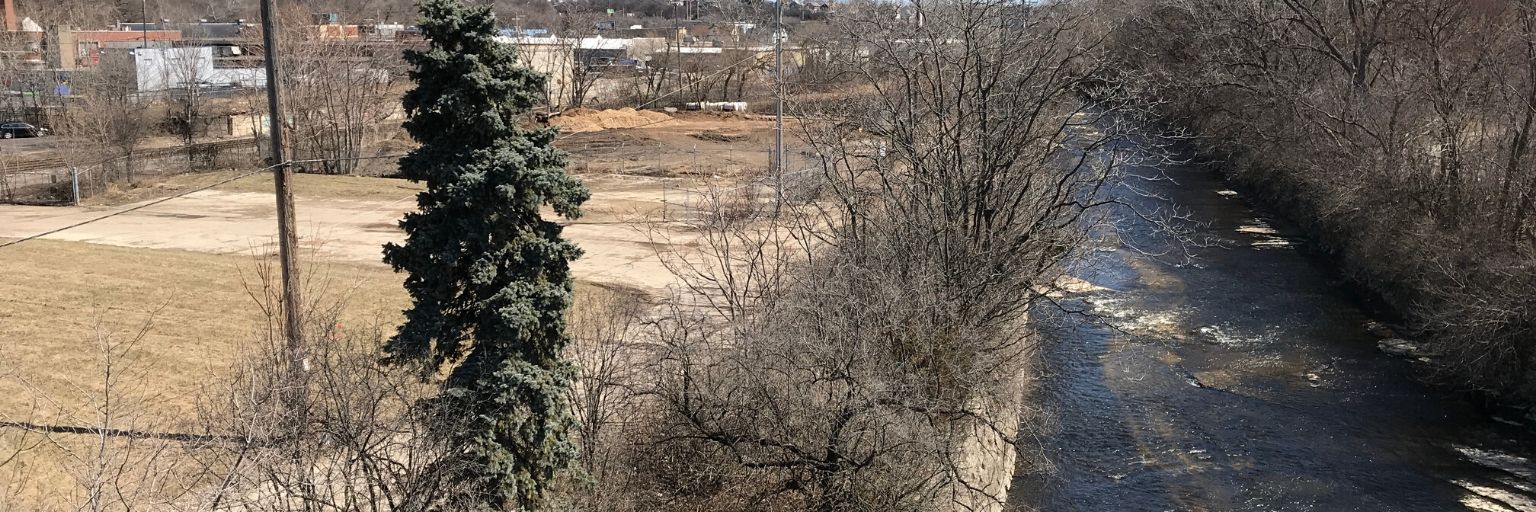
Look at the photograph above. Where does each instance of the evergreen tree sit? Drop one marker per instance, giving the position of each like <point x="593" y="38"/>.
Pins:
<point x="489" y="278"/>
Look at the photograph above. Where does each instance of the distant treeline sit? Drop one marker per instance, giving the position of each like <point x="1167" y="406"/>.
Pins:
<point x="536" y="13"/>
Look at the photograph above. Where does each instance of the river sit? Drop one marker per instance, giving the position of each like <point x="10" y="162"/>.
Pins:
<point x="1243" y="377"/>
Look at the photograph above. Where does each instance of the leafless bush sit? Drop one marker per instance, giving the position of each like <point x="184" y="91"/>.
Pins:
<point x="1398" y="133"/>
<point x="359" y="444"/>
<point x="606" y="346"/>
<point x="100" y="446"/>
<point x="358" y="440"/>
<point x="856" y="349"/>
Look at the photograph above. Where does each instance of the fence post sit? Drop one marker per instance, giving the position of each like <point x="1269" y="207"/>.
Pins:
<point x="661" y="176"/>
<point x="74" y="184"/>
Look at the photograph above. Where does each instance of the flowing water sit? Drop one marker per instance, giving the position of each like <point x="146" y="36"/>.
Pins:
<point x="1243" y="378"/>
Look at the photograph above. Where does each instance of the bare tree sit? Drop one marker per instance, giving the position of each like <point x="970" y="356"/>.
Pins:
<point x="576" y="28"/>
<point x="187" y="80"/>
<point x="336" y="92"/>
<point x="741" y="67"/>
<point x="1396" y="131"/>
<point x="606" y="326"/>
<point x="650" y="82"/>
<point x="111" y="115"/>
<point x="848" y="338"/>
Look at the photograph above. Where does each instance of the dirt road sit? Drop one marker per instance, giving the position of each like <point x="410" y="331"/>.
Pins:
<point x="228" y="220"/>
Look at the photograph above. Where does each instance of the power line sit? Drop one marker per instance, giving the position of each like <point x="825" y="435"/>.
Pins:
<point x="184" y="194"/>
<point x="674" y="91"/>
<point x="729" y="67"/>
<point x="349" y="159"/>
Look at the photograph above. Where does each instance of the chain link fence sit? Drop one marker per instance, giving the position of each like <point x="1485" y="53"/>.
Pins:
<point x="54" y="181"/>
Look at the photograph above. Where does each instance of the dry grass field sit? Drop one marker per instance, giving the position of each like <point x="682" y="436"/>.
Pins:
<point x="58" y="300"/>
<point x="64" y="305"/>
<point x="317" y="186"/>
<point x="188" y="273"/>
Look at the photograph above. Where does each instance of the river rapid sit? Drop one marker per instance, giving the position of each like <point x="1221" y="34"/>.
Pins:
<point x="1240" y="374"/>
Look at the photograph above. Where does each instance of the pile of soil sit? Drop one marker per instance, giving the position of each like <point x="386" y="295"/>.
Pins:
<point x="718" y="136"/>
<point x="587" y="120"/>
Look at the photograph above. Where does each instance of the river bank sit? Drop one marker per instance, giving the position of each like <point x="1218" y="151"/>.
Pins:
<point x="1387" y="295"/>
<point x="1241" y="375"/>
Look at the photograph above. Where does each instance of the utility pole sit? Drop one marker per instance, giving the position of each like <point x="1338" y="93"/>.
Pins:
<point x="778" y="108"/>
<point x="144" y="22"/>
<point x="282" y="176"/>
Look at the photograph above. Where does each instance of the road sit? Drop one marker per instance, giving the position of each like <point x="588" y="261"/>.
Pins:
<point x="27" y="147"/>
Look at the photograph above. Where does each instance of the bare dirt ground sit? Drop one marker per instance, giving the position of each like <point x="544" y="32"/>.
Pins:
<point x="633" y="173"/>
<point x="350" y="228"/>
<point x="185" y="262"/>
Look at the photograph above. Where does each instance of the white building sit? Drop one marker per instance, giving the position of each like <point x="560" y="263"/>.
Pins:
<point x="160" y="69"/>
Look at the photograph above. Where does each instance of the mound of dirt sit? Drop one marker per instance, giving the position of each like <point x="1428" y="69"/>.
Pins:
<point x="587" y="120"/>
<point x="718" y="136"/>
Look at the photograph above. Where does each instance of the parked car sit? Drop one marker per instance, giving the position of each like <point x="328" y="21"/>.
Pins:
<point x="14" y="130"/>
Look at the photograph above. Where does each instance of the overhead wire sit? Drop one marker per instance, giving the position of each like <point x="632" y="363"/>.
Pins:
<point x="730" y="67"/>
<point x="292" y="162"/>
<point x="182" y="194"/>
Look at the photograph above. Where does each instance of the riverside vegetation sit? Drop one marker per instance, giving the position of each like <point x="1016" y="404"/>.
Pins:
<point x="1397" y="133"/>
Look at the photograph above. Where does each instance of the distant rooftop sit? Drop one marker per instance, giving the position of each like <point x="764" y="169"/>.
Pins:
<point x="585" y="43"/>
<point x="196" y="29"/>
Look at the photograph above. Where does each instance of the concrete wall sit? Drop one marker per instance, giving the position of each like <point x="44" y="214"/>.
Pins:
<point x="553" y="60"/>
<point x="160" y="69"/>
<point x="557" y="57"/>
<point x="240" y="77"/>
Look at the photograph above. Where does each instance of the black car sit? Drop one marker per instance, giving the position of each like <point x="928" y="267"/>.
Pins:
<point x="14" y="130"/>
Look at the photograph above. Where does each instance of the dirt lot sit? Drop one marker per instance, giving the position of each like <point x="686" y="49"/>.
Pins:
<point x="633" y="173"/>
<point x="184" y="268"/>
<point x="188" y="257"/>
<point x="350" y="226"/>
<point x="683" y="144"/>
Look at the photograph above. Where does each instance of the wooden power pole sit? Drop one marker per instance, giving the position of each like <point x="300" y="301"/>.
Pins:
<point x="282" y="177"/>
<point x="778" y="106"/>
